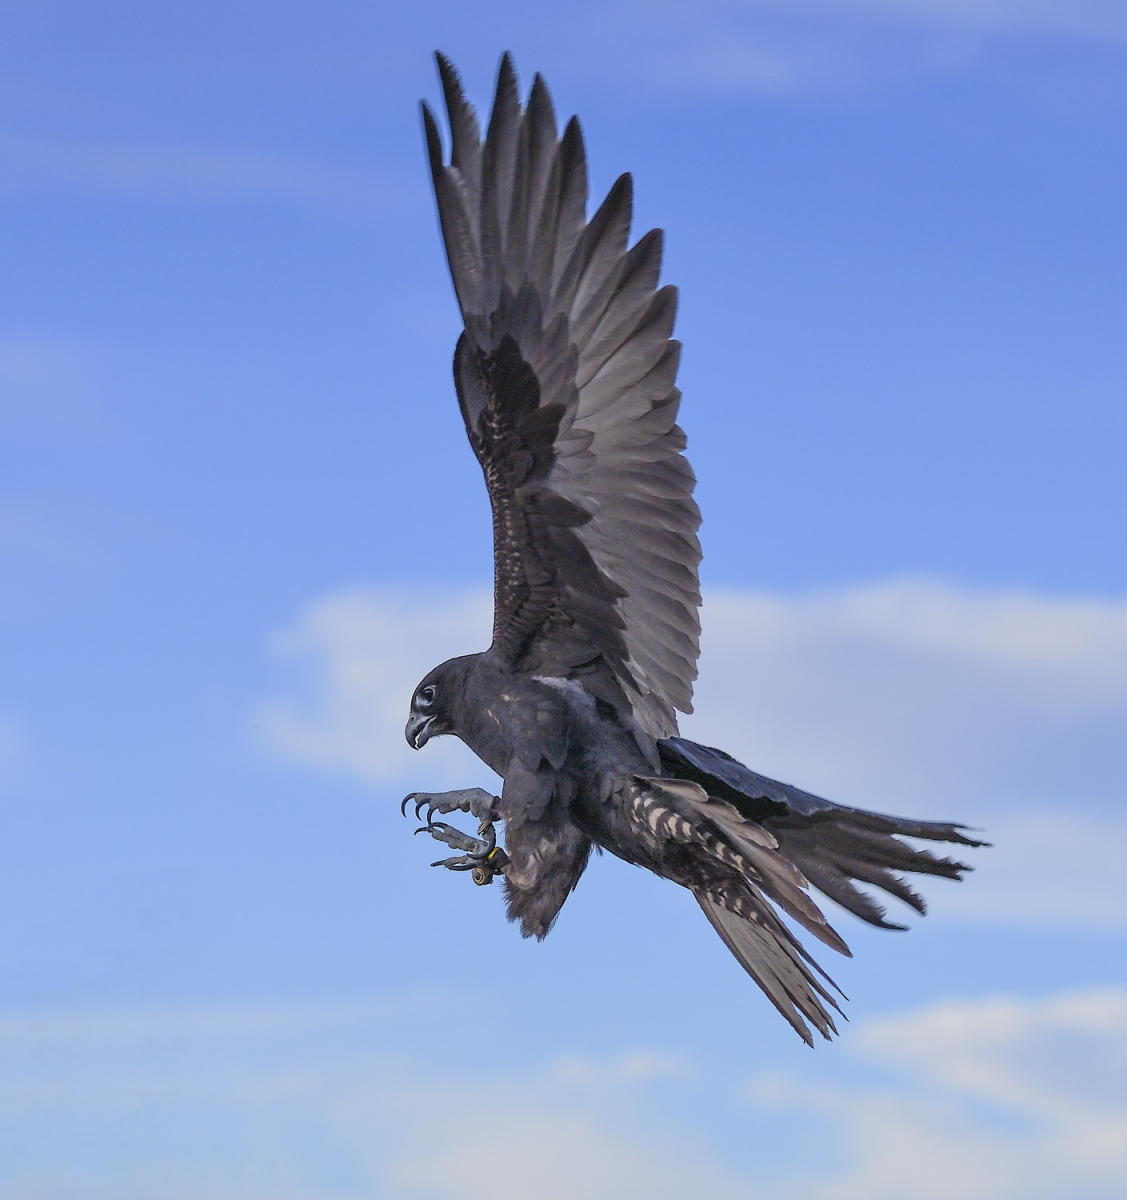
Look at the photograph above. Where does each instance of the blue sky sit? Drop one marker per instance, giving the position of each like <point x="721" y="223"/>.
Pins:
<point x="238" y="521"/>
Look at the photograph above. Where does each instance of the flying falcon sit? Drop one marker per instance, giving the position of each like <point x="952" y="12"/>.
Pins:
<point x="565" y="375"/>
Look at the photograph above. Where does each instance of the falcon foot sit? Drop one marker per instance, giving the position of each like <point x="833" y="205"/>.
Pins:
<point x="481" y="854"/>
<point x="475" y="801"/>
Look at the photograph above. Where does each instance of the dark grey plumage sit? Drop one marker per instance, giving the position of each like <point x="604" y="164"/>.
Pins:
<point x="565" y="375"/>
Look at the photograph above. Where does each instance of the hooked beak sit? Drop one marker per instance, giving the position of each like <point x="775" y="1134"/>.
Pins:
<point x="418" y="730"/>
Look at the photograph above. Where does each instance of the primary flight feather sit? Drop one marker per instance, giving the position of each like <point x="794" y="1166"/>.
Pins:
<point x="565" y="374"/>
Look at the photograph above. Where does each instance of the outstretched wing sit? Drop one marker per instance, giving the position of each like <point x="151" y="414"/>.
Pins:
<point x="565" y="375"/>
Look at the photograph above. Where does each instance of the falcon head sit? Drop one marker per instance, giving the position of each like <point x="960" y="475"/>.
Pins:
<point x="433" y="703"/>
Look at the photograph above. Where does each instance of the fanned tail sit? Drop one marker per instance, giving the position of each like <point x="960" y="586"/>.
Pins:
<point x="772" y="956"/>
<point x="735" y="870"/>
<point x="837" y="853"/>
<point x="834" y="846"/>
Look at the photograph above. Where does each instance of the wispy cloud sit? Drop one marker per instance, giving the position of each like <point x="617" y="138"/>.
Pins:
<point x="188" y="173"/>
<point x="991" y="1099"/>
<point x="1000" y="709"/>
<point x="557" y="1152"/>
<point x="14" y="743"/>
<point x="1101" y="20"/>
<point x="630" y="1067"/>
<point x="51" y="390"/>
<point x="358" y="656"/>
<point x="920" y="689"/>
<point x="788" y="48"/>
<point x="323" y="1098"/>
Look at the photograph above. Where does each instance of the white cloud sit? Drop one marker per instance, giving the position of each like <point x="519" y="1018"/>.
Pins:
<point x="905" y="687"/>
<point x="323" y="1098"/>
<point x="1046" y="870"/>
<point x="187" y="1024"/>
<point x="512" y="1152"/>
<point x="990" y="1099"/>
<point x="362" y="653"/>
<point x="631" y="1067"/>
<point x="1004" y="710"/>
<point x="997" y="1099"/>
<point x="919" y="693"/>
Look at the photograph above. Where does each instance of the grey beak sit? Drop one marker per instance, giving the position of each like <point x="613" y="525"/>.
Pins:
<point x="418" y="730"/>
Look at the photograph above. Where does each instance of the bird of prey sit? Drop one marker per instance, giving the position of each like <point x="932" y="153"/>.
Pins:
<point x="565" y="375"/>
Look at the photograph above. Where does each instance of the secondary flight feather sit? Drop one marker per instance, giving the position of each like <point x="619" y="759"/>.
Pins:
<point x="566" y="377"/>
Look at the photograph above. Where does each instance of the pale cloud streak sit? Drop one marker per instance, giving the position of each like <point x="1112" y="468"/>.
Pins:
<point x="52" y="392"/>
<point x="199" y="173"/>
<point x="1100" y="20"/>
<point x="999" y="709"/>
<point x="326" y="1097"/>
<point x="556" y="1152"/>
<point x="785" y="49"/>
<point x="919" y="689"/>
<point x="359" y="655"/>
<point x="14" y="748"/>
<point x="991" y="1099"/>
<point x="630" y="1067"/>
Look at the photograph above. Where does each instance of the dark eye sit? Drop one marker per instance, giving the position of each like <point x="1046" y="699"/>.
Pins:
<point x="426" y="696"/>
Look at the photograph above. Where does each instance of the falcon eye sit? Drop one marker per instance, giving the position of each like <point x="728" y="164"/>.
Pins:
<point x="426" y="696"/>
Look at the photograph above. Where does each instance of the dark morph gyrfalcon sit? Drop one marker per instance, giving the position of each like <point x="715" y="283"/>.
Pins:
<point x="565" y="375"/>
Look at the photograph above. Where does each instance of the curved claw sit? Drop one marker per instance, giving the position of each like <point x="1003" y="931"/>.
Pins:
<point x="437" y="828"/>
<point x="461" y="862"/>
<point x="488" y="835"/>
<point x="420" y="800"/>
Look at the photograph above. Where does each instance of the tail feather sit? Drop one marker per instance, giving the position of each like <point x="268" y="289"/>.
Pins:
<point x="680" y="811"/>
<point x="735" y="871"/>
<point x="840" y="889"/>
<point x="833" y="845"/>
<point x="835" y="852"/>
<point x="771" y="955"/>
<point x="740" y="851"/>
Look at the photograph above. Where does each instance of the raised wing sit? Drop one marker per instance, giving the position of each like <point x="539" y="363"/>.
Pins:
<point x="565" y="376"/>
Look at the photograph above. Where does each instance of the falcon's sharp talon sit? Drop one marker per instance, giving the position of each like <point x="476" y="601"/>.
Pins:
<point x="431" y="808"/>
<point x="460" y="862"/>
<point x="483" y="868"/>
<point x="476" y="847"/>
<point x="487" y="836"/>
<point x="423" y="800"/>
<point x="481" y="854"/>
<point x="475" y="801"/>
